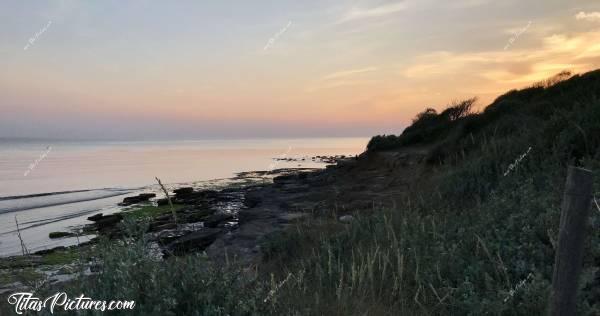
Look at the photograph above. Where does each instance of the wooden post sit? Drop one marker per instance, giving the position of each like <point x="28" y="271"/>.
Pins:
<point x="576" y="205"/>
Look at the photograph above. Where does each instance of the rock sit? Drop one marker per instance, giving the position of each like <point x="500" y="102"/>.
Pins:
<point x="95" y="268"/>
<point x="195" y="241"/>
<point x="248" y="215"/>
<point x="285" y="178"/>
<point x="108" y="221"/>
<point x="252" y="198"/>
<point x="183" y="191"/>
<point x="54" y="235"/>
<point x="47" y="251"/>
<point x="216" y="219"/>
<point x="168" y="236"/>
<point x="162" y="202"/>
<point x="291" y="217"/>
<point x="160" y="226"/>
<point x="346" y="219"/>
<point x="195" y="197"/>
<point x="137" y="199"/>
<point x="198" y="216"/>
<point x="95" y="217"/>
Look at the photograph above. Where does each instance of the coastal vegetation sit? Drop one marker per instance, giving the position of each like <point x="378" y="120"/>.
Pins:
<point x="468" y="237"/>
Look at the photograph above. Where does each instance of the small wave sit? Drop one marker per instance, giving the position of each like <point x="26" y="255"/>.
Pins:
<point x="33" y="201"/>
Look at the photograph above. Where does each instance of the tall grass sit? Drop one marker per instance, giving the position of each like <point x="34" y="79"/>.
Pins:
<point x="467" y="241"/>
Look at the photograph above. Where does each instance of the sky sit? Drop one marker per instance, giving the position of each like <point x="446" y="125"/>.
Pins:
<point x="236" y="69"/>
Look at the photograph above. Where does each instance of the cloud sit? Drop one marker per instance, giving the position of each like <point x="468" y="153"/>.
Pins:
<point x="347" y="73"/>
<point x="497" y="70"/>
<point x="588" y="16"/>
<point x="352" y="77"/>
<point x="379" y="11"/>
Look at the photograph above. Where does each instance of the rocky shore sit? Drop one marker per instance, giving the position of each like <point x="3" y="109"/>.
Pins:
<point x="230" y="223"/>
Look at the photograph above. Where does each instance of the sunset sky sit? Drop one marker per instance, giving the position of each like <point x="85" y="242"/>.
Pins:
<point x="211" y="69"/>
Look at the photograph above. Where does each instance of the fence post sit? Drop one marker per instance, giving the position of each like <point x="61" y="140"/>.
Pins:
<point x="576" y="205"/>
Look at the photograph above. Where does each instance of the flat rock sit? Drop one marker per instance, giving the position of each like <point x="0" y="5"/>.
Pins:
<point x="182" y="191"/>
<point x="216" y="219"/>
<point x="130" y="200"/>
<point x="196" y="241"/>
<point x="55" y="235"/>
<point x="108" y="221"/>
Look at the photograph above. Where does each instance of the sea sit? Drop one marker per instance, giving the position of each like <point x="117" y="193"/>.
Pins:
<point x="54" y="185"/>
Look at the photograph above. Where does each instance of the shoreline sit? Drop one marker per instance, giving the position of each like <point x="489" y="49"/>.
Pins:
<point x="241" y="212"/>
<point x="227" y="199"/>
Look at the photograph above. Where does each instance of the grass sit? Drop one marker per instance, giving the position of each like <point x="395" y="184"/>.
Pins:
<point x="149" y="211"/>
<point x="467" y="241"/>
<point x="61" y="257"/>
<point x="23" y="275"/>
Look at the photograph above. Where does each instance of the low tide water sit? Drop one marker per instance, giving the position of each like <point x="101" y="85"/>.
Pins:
<point x="55" y="185"/>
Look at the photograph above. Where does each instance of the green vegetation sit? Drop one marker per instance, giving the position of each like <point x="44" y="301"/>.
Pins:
<point x="149" y="211"/>
<point x="471" y="232"/>
<point x="25" y="275"/>
<point x="426" y="127"/>
<point x="471" y="239"/>
<point x="64" y="256"/>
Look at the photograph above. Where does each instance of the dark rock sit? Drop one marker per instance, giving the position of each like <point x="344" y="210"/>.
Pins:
<point x="285" y="178"/>
<point x="195" y="197"/>
<point x="48" y="251"/>
<point x="54" y="235"/>
<point x="198" y="216"/>
<point x="160" y="226"/>
<point x="195" y="241"/>
<point x="183" y="191"/>
<point x="256" y="214"/>
<point x="165" y="217"/>
<point x="214" y="220"/>
<point x="108" y="221"/>
<point x="95" y="268"/>
<point x="252" y="198"/>
<point x="95" y="217"/>
<point x="162" y="202"/>
<point x="137" y="199"/>
<point x="168" y="236"/>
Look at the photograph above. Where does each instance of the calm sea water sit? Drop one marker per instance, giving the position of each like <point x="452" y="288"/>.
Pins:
<point x="93" y="176"/>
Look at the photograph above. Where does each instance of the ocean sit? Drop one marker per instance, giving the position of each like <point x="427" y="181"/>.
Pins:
<point x="48" y="186"/>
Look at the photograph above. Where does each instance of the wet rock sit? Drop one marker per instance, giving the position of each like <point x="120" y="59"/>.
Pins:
<point x="108" y="221"/>
<point x="198" y="215"/>
<point x="95" y="217"/>
<point x="253" y="214"/>
<point x="160" y="226"/>
<point x="55" y="235"/>
<point x="183" y="191"/>
<point x="291" y="217"/>
<point x="346" y="219"/>
<point x="196" y="241"/>
<point x="195" y="197"/>
<point x="252" y="198"/>
<point x="216" y="219"/>
<point x="47" y="251"/>
<point x="130" y="200"/>
<point x="168" y="236"/>
<point x="285" y="178"/>
<point x="162" y="202"/>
